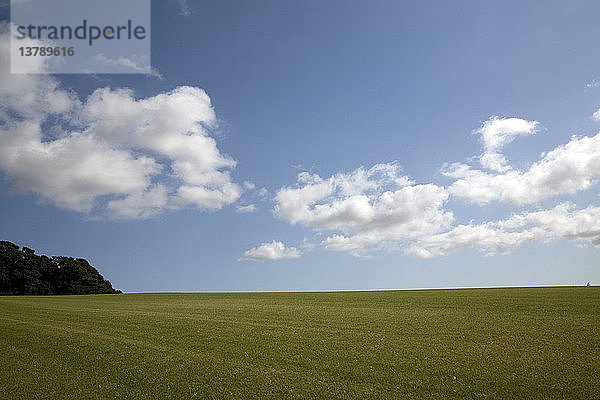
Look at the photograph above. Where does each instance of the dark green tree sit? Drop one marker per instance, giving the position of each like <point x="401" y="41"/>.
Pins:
<point x="22" y="272"/>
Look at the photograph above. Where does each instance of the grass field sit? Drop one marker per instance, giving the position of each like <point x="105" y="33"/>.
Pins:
<point x="481" y="343"/>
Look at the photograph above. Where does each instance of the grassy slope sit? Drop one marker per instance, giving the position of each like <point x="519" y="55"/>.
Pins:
<point x="497" y="343"/>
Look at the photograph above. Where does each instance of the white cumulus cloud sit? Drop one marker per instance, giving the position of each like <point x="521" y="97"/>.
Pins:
<point x="270" y="252"/>
<point x="497" y="133"/>
<point x="111" y="153"/>
<point x="567" y="169"/>
<point x="378" y="208"/>
<point x="560" y="222"/>
<point x="367" y="207"/>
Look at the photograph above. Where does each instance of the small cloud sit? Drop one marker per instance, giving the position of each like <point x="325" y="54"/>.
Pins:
<point x="262" y="192"/>
<point x="133" y="64"/>
<point x="184" y="8"/>
<point x="250" y="208"/>
<point x="497" y="133"/>
<point x="593" y="84"/>
<point x="249" y="185"/>
<point x="596" y="115"/>
<point x="270" y="252"/>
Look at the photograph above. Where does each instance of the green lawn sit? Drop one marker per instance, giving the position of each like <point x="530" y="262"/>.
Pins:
<point x="485" y="343"/>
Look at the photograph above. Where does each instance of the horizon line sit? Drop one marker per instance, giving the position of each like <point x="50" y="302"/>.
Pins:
<point x="355" y="290"/>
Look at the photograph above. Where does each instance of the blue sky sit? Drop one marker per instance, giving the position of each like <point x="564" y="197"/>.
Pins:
<point x="417" y="129"/>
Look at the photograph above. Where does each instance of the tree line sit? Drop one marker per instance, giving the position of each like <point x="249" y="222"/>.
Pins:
<point x="22" y="272"/>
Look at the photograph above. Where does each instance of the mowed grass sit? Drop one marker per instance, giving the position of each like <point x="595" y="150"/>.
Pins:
<point x="485" y="343"/>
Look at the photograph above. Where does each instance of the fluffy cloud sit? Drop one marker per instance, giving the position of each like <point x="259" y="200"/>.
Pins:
<point x="560" y="222"/>
<point x="497" y="133"/>
<point x="140" y="205"/>
<point x="31" y="96"/>
<point x="70" y="171"/>
<point x="378" y="208"/>
<point x="374" y="207"/>
<point x="270" y="252"/>
<point x="112" y="153"/>
<point x="565" y="170"/>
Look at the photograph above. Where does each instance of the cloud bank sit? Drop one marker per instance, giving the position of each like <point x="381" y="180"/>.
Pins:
<point x="374" y="209"/>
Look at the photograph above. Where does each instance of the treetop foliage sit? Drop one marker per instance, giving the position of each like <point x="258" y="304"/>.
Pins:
<point x="22" y="272"/>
